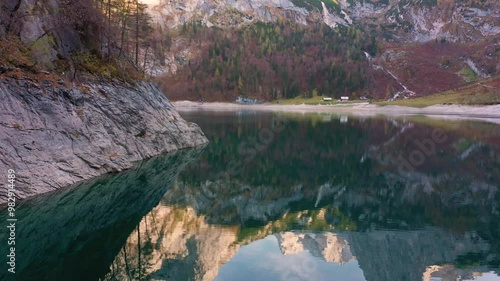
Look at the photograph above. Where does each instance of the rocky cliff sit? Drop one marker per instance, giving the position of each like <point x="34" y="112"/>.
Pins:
<point x="402" y="21"/>
<point x="54" y="135"/>
<point x="69" y="111"/>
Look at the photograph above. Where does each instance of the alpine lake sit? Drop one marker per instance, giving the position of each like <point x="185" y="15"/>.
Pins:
<point x="282" y="196"/>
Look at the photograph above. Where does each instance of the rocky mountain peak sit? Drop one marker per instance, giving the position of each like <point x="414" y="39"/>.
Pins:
<point x="230" y="13"/>
<point x="399" y="21"/>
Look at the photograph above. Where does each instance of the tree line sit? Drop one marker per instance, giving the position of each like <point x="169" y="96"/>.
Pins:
<point x="109" y="30"/>
<point x="119" y="29"/>
<point x="273" y="61"/>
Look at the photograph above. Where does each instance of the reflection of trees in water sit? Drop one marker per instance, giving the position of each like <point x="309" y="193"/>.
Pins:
<point x="174" y="243"/>
<point x="309" y="168"/>
<point x="312" y="155"/>
<point x="311" y="187"/>
<point x="185" y="247"/>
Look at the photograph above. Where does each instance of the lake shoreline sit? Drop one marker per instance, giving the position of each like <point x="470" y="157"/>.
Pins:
<point x="489" y="113"/>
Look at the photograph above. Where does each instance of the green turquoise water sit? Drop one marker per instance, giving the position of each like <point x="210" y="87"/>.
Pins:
<point x="283" y="197"/>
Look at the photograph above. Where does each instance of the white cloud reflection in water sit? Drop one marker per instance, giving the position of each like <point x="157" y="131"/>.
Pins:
<point x="263" y="260"/>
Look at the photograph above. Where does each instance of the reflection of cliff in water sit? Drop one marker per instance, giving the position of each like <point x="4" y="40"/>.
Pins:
<point x="75" y="233"/>
<point x="309" y="152"/>
<point x="408" y="238"/>
<point x="352" y="168"/>
<point x="392" y="255"/>
<point x="340" y="196"/>
<point x="362" y="155"/>
<point x="173" y="243"/>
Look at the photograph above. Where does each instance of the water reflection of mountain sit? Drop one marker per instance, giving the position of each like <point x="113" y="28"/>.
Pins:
<point x="328" y="246"/>
<point x="350" y="167"/>
<point x="332" y="189"/>
<point x="173" y="243"/>
<point x="392" y="255"/>
<point x="339" y="196"/>
<point x="310" y="152"/>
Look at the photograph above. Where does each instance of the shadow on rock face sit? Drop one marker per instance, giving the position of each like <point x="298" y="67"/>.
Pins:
<point x="75" y="233"/>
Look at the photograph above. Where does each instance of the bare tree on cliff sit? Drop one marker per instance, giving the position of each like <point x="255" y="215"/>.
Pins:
<point x="114" y="30"/>
<point x="133" y="23"/>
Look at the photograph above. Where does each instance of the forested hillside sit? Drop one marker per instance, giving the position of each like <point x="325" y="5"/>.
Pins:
<point x="273" y="61"/>
<point x="268" y="50"/>
<point x="218" y="50"/>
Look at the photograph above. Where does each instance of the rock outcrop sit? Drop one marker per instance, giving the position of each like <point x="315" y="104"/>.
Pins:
<point x="39" y="25"/>
<point x="55" y="136"/>
<point x="224" y="13"/>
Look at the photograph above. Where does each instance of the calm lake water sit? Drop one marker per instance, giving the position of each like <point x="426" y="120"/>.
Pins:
<point x="282" y="197"/>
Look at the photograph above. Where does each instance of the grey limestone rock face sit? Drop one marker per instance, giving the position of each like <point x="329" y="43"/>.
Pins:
<point x="54" y="137"/>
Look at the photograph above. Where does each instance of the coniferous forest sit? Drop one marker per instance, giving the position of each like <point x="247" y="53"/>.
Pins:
<point x="271" y="61"/>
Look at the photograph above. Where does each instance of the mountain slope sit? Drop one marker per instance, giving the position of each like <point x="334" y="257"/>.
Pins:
<point x="407" y="20"/>
<point x="414" y="47"/>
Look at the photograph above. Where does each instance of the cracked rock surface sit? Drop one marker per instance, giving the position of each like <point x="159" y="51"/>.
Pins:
<point x="56" y="136"/>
